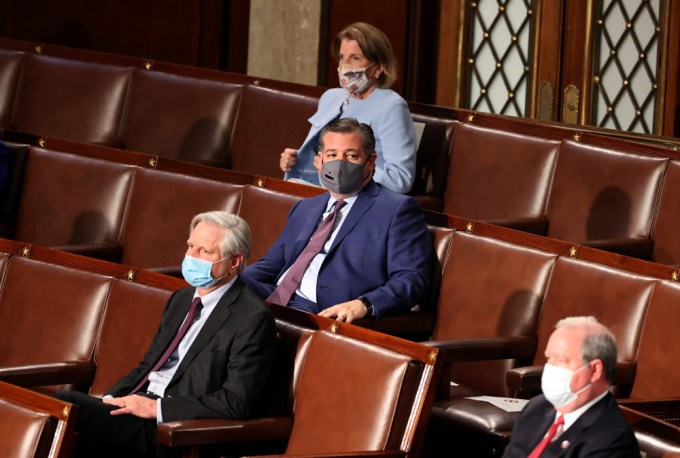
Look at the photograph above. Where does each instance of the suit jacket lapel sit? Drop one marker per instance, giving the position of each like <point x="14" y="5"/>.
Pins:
<point x="561" y="445"/>
<point x="216" y="320"/>
<point x="174" y="323"/>
<point x="314" y="214"/>
<point x="364" y="201"/>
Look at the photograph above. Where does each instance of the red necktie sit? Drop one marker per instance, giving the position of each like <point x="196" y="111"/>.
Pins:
<point x="548" y="437"/>
<point x="196" y="306"/>
<point x="284" y="291"/>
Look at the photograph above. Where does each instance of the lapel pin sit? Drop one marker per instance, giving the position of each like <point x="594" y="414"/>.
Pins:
<point x="564" y="445"/>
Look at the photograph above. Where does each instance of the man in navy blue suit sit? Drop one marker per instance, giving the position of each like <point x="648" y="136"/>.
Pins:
<point x="576" y="416"/>
<point x="374" y="260"/>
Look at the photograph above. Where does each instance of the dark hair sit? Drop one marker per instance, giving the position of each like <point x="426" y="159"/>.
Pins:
<point x="376" y="47"/>
<point x="349" y="126"/>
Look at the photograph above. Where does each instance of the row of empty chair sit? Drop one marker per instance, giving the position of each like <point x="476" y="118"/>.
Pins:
<point x="67" y="322"/>
<point x="584" y="187"/>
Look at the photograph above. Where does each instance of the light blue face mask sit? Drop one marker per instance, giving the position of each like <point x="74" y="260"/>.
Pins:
<point x="197" y="272"/>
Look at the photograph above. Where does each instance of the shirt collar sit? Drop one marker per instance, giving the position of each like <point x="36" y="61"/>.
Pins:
<point x="571" y="417"/>
<point x="211" y="299"/>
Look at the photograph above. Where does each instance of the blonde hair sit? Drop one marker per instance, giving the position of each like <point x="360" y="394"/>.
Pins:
<point x="375" y="46"/>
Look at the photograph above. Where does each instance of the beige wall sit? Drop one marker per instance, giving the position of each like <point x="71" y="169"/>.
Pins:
<point x="284" y="40"/>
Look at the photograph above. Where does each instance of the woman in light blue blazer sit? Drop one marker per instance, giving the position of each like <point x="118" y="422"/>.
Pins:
<point x="367" y="68"/>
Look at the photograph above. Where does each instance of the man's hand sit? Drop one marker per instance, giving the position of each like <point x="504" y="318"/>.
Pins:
<point x="347" y="311"/>
<point x="139" y="406"/>
<point x="288" y="159"/>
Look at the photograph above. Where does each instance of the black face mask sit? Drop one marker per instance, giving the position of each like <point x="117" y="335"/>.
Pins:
<point x="342" y="177"/>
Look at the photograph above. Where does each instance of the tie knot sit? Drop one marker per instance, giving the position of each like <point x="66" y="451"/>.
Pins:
<point x="338" y="205"/>
<point x="560" y="420"/>
<point x="196" y="303"/>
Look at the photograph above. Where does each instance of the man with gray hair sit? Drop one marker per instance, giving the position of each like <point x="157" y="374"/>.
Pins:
<point x="210" y="358"/>
<point x="576" y="415"/>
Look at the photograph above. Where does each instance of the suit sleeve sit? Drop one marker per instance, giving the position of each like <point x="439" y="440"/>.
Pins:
<point x="261" y="276"/>
<point x="408" y="262"/>
<point x="248" y="361"/>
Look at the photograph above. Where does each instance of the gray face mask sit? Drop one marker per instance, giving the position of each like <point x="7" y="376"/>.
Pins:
<point x="342" y="177"/>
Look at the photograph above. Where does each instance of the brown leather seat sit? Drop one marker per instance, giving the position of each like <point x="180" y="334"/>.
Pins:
<point x="656" y="426"/>
<point x="388" y="412"/>
<point x="609" y="206"/>
<point x="51" y="316"/>
<point x="179" y="117"/>
<point x="500" y="177"/>
<point x="665" y="229"/>
<point x="10" y="68"/>
<point x="74" y="203"/>
<point x="266" y="212"/>
<point x="269" y="120"/>
<point x="34" y="425"/>
<point x="71" y="99"/>
<point x="133" y="311"/>
<point x="10" y="194"/>
<point x="617" y="298"/>
<point x="161" y="207"/>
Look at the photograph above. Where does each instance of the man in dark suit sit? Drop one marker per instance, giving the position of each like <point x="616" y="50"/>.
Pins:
<point x="210" y="358"/>
<point x="375" y="259"/>
<point x="576" y="416"/>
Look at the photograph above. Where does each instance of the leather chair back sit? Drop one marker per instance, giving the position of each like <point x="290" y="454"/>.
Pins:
<point x="489" y="288"/>
<point x="368" y="391"/>
<point x="618" y="299"/>
<point x="667" y="219"/>
<point x="656" y="377"/>
<point x="499" y="177"/>
<point x="161" y="207"/>
<point x="131" y="318"/>
<point x="269" y="120"/>
<point x="53" y="312"/>
<point x="10" y="69"/>
<point x="179" y="117"/>
<point x="614" y="200"/>
<point x="266" y="212"/>
<point x="71" y="99"/>
<point x="69" y="199"/>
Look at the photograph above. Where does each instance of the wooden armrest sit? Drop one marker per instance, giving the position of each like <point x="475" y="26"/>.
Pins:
<point x="635" y="247"/>
<point x="218" y="431"/>
<point x="49" y="374"/>
<point x="538" y="225"/>
<point x="105" y="251"/>
<point x="486" y="348"/>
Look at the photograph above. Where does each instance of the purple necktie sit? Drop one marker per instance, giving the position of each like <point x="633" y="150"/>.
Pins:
<point x="196" y="306"/>
<point x="282" y="294"/>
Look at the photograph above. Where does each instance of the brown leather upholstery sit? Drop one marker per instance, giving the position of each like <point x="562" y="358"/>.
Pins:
<point x="500" y="177"/>
<point x="268" y="121"/>
<point x="489" y="288"/>
<point x="132" y="314"/>
<point x="71" y="99"/>
<point x="656" y="377"/>
<point x="34" y="425"/>
<point x="161" y="207"/>
<point x="180" y="117"/>
<point x="656" y="426"/>
<point x="608" y="206"/>
<point x="72" y="202"/>
<point x="336" y="378"/>
<point x="10" y="68"/>
<point x="266" y="212"/>
<point x="667" y="218"/>
<point x="432" y="160"/>
<point x="50" y="315"/>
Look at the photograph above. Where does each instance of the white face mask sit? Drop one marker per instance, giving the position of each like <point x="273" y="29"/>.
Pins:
<point x="556" y="384"/>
